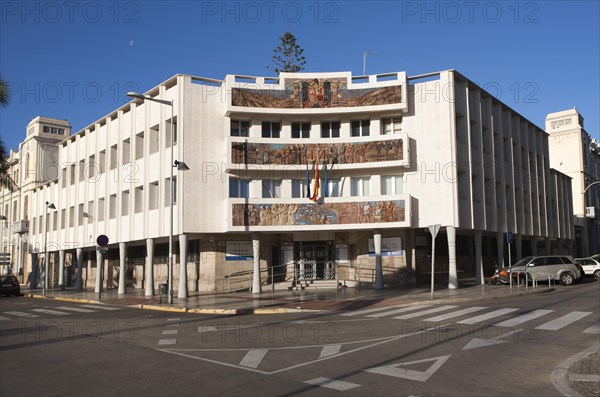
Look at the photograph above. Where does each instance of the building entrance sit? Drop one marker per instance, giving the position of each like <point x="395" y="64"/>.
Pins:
<point x="314" y="260"/>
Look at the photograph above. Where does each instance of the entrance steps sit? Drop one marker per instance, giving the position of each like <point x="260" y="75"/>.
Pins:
<point x="316" y="284"/>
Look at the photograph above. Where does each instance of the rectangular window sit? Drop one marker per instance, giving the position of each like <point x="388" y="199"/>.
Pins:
<point x="63" y="177"/>
<point x="330" y="129"/>
<point x="360" y="128"/>
<point x="33" y="220"/>
<point x="270" y="129"/>
<point x="360" y="186"/>
<point x="92" y="166"/>
<point x="81" y="170"/>
<point x="299" y="188"/>
<point x="72" y="216"/>
<point x="392" y="125"/>
<point x="112" y="206"/>
<point x="168" y="132"/>
<point x="102" y="161"/>
<point x="90" y="212"/>
<point x="391" y="184"/>
<point x="168" y="188"/>
<point x="100" y="209"/>
<point x="114" y="161"/>
<point x="139" y="199"/>
<point x="153" y="139"/>
<point x="240" y="128"/>
<point x="153" y="195"/>
<point x="334" y="187"/>
<point x="126" y="148"/>
<point x="54" y="215"/>
<point x="300" y="130"/>
<point x="125" y="202"/>
<point x="80" y="218"/>
<point x="139" y="145"/>
<point x="271" y="188"/>
<point x="63" y="218"/>
<point x="238" y="187"/>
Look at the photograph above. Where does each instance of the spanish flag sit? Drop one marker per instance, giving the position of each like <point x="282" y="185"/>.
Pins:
<point x="315" y="196"/>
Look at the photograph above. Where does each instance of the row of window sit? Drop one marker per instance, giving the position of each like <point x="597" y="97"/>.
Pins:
<point x="359" y="186"/>
<point x="97" y="214"/>
<point x="54" y="130"/>
<point x="329" y="129"/>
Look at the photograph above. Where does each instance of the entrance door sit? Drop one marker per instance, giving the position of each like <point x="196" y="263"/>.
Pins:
<point x="314" y="260"/>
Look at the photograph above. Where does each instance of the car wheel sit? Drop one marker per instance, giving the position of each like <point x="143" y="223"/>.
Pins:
<point x="597" y="274"/>
<point x="567" y="278"/>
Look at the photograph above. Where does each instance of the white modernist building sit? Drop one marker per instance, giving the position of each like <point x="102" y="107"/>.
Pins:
<point x="300" y="179"/>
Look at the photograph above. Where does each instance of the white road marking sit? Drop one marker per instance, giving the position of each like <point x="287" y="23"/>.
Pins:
<point x="167" y="341"/>
<point x="174" y="319"/>
<point x="564" y="321"/>
<point x="21" y="314"/>
<point x="338" y="385"/>
<point x="170" y="332"/>
<point x="75" y="309"/>
<point x="2" y="318"/>
<point x="479" y="342"/>
<point x="330" y="350"/>
<point x="423" y="313"/>
<point x="523" y="318"/>
<point x="253" y="358"/>
<point x="419" y="376"/>
<point x="487" y="316"/>
<point x="101" y="307"/>
<point x="584" y="377"/>
<point x="594" y="329"/>
<point x="458" y="313"/>
<point x="53" y="312"/>
<point x="360" y="312"/>
<point x="397" y="311"/>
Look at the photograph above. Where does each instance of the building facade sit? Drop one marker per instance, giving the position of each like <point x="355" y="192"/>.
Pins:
<point x="576" y="154"/>
<point x="300" y="179"/>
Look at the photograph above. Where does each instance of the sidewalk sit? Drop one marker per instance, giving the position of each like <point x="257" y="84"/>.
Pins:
<point x="291" y="301"/>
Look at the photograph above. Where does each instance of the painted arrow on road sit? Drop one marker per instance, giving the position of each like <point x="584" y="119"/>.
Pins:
<point x="479" y="342"/>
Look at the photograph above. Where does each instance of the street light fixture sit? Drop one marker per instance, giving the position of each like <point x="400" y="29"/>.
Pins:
<point x="49" y="206"/>
<point x="181" y="166"/>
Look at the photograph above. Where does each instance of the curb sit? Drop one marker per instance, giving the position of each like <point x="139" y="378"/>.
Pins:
<point x="559" y="375"/>
<point x="78" y="300"/>
<point x="223" y="311"/>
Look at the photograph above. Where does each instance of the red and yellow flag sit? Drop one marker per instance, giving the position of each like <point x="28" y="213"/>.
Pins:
<point x="315" y="196"/>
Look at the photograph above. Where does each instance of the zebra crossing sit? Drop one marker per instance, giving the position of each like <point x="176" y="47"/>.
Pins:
<point x="39" y="313"/>
<point x="545" y="319"/>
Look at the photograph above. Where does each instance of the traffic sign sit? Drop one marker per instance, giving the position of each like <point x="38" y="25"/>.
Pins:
<point x="102" y="240"/>
<point x="509" y="238"/>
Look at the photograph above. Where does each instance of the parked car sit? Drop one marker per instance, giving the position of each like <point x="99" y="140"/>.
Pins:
<point x="591" y="266"/>
<point x="9" y="285"/>
<point x="561" y="268"/>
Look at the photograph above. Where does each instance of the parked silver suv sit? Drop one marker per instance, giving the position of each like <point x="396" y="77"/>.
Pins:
<point x="558" y="267"/>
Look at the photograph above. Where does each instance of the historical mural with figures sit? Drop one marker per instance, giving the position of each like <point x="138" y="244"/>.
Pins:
<point x="316" y="93"/>
<point x="319" y="214"/>
<point x="293" y="154"/>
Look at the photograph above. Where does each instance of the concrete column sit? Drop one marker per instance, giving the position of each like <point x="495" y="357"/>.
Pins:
<point x="122" y="268"/>
<point x="34" y="271"/>
<point x="79" y="275"/>
<point x="61" y="269"/>
<point x="378" y="265"/>
<point x="256" y="289"/>
<point x="149" y="267"/>
<point x="99" y="266"/>
<point x="548" y="242"/>
<point x="452" y="272"/>
<point x="183" y="279"/>
<point x="534" y="247"/>
<point x="500" y="248"/>
<point x="478" y="261"/>
<point x="519" y="247"/>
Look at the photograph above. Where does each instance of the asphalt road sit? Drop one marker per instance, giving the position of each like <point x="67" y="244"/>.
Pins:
<point x="494" y="348"/>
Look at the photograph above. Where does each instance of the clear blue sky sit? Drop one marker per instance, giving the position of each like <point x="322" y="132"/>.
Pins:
<point x="76" y="60"/>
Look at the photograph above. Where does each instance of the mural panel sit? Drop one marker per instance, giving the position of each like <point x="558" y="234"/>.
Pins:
<point x="296" y="154"/>
<point x="316" y="93"/>
<point x="318" y="214"/>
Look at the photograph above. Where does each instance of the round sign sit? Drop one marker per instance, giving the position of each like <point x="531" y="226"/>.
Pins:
<point x="102" y="240"/>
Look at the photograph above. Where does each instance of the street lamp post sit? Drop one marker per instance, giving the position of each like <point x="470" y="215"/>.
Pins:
<point x="49" y="206"/>
<point x="180" y="166"/>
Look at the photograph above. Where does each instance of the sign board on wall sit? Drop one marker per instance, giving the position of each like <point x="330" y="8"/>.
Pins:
<point x="341" y="253"/>
<point x="238" y="251"/>
<point x="390" y="246"/>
